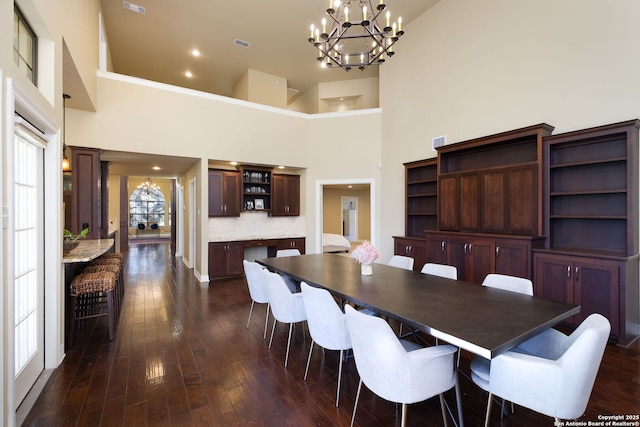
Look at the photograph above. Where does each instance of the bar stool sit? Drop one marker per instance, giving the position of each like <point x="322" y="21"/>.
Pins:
<point x="117" y="259"/>
<point x="92" y="296"/>
<point x="115" y="269"/>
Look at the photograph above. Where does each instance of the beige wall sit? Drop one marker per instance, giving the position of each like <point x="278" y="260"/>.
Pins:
<point x="467" y="69"/>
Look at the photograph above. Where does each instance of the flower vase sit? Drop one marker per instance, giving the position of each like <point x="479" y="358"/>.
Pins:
<point x="366" y="269"/>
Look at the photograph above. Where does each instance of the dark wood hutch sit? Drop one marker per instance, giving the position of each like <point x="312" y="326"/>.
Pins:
<point x="561" y="210"/>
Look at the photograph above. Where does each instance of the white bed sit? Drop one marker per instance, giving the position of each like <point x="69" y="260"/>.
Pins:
<point x="335" y="243"/>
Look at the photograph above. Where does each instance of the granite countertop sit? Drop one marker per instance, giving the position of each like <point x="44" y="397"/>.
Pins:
<point x="87" y="250"/>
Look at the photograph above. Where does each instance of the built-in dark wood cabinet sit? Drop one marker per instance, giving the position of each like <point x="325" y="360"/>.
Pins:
<point x="413" y="247"/>
<point x="225" y="259"/>
<point x="224" y="193"/>
<point x="476" y="255"/>
<point x="286" y="195"/>
<point x="293" y="243"/>
<point x="421" y="201"/>
<point x="256" y="188"/>
<point x="591" y="214"/>
<point x="492" y="184"/>
<point x="562" y="210"/>
<point x="86" y="190"/>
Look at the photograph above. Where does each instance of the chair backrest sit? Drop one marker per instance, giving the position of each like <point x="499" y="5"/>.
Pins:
<point x="285" y="306"/>
<point x="401" y="261"/>
<point x="558" y="388"/>
<point x="141" y="226"/>
<point x="287" y="252"/>
<point x="509" y="283"/>
<point x="327" y="323"/>
<point x="154" y="226"/>
<point x="391" y="372"/>
<point x="442" y="270"/>
<point x="256" y="281"/>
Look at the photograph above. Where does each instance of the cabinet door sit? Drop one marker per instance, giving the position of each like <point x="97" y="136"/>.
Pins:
<point x="224" y="193"/>
<point x="415" y="249"/>
<point x="494" y="212"/>
<point x="469" y="202"/>
<point x="216" y="199"/>
<point x="457" y="255"/>
<point x="522" y="201"/>
<point x="480" y="259"/>
<point x="448" y="207"/>
<point x="225" y="259"/>
<point x="235" y="253"/>
<point x="436" y="250"/>
<point x="231" y="192"/>
<point x="286" y="195"/>
<point x="292" y="244"/>
<point x="553" y="278"/>
<point x="513" y="257"/>
<point x="597" y="284"/>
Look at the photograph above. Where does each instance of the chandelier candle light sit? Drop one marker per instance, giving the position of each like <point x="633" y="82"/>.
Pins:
<point x="355" y="37"/>
<point x="366" y="254"/>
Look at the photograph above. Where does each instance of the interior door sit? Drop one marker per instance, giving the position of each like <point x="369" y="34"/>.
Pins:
<point x="27" y="233"/>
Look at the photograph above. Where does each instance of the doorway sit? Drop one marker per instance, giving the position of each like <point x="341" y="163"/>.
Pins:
<point x="330" y="214"/>
<point x="350" y="217"/>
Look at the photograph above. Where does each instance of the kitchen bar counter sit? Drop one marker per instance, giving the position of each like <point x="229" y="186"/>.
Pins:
<point x="87" y="250"/>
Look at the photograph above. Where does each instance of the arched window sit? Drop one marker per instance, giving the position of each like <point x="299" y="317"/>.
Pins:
<point x="146" y="206"/>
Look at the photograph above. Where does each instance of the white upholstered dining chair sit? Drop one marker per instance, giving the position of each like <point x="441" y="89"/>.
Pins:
<point x="327" y="325"/>
<point x="509" y="283"/>
<point x="551" y="373"/>
<point x="397" y="370"/>
<point x="401" y="261"/>
<point x="442" y="270"/>
<point x="286" y="307"/>
<point x="291" y="283"/>
<point x="257" y="289"/>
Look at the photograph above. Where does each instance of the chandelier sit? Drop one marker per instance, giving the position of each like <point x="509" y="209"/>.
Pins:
<point x="147" y="186"/>
<point x="352" y="36"/>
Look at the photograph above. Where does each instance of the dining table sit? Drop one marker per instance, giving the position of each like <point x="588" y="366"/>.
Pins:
<point x="482" y="320"/>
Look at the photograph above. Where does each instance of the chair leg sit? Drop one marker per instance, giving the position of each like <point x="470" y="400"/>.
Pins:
<point x="286" y="358"/>
<point x="339" y="377"/>
<point x="444" y="411"/>
<point x="266" y="323"/>
<point x="459" y="402"/>
<point x="306" y="371"/>
<point x="355" y="405"/>
<point x="403" y="423"/>
<point x="272" y="331"/>
<point x="110" y="314"/>
<point x="250" y="311"/>
<point x="486" y="419"/>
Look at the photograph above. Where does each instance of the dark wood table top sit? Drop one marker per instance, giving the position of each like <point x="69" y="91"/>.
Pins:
<point x="482" y="320"/>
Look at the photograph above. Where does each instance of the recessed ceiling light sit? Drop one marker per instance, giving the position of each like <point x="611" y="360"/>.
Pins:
<point x="188" y="74"/>
<point x="280" y="167"/>
<point x="156" y="168"/>
<point x="195" y="52"/>
<point x="234" y="163"/>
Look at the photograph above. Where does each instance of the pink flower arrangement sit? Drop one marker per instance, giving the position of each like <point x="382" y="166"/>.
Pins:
<point x="366" y="253"/>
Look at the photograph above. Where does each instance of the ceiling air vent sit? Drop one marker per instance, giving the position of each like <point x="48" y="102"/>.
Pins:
<point x="439" y="141"/>
<point x="133" y="7"/>
<point x="241" y="43"/>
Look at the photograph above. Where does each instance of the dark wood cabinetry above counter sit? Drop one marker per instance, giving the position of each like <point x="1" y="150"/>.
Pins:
<point x="253" y="189"/>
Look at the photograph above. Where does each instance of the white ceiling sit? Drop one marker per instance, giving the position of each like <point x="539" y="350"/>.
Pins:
<point x="156" y="46"/>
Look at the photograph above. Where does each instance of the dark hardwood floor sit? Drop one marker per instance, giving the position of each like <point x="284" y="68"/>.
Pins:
<point x="182" y="356"/>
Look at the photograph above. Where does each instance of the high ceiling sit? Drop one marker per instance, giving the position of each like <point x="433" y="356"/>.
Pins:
<point x="156" y="46"/>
